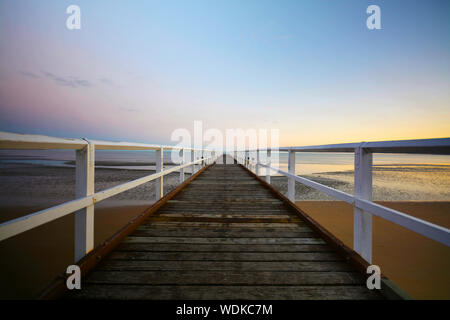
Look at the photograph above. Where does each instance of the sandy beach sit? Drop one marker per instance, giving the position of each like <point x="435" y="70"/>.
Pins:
<point x="31" y="260"/>
<point x="417" y="264"/>
<point x="36" y="185"/>
<point x="401" y="182"/>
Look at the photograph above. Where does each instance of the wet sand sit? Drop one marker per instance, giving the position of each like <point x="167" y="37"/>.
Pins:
<point x="390" y="183"/>
<point x="31" y="260"/>
<point x="418" y="265"/>
<point x="36" y="185"/>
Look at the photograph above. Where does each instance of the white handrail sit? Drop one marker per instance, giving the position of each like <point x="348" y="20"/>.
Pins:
<point x="364" y="207"/>
<point x="84" y="205"/>
<point x="432" y="231"/>
<point x="425" y="146"/>
<point x="16" y="226"/>
<point x="9" y="140"/>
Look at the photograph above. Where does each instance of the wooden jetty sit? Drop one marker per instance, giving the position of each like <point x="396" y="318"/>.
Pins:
<point x="226" y="235"/>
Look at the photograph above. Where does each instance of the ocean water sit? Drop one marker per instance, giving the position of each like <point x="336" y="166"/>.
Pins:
<point x="306" y="162"/>
<point x="395" y="176"/>
<point x="319" y="162"/>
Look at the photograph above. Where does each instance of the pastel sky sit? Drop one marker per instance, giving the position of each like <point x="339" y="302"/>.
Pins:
<point x="137" y="70"/>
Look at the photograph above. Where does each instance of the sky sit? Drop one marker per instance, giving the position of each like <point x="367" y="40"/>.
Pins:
<point x="138" y="70"/>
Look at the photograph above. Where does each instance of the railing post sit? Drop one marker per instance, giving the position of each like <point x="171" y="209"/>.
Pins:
<point x="291" y="170"/>
<point x="257" y="162"/>
<point x="84" y="185"/>
<point x="269" y="155"/>
<point x="182" y="169"/>
<point x="362" y="221"/>
<point x="192" y="160"/>
<point x="159" y="183"/>
<point x="247" y="159"/>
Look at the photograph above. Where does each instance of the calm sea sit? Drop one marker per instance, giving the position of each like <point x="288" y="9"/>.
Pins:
<point x="396" y="176"/>
<point x="306" y="163"/>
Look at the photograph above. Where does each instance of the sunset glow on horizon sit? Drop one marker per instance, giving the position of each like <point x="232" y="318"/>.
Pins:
<point x="137" y="71"/>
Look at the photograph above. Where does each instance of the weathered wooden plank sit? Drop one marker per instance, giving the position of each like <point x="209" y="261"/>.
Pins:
<point x="230" y="219"/>
<point x="140" y="292"/>
<point x="225" y="256"/>
<point x="226" y="210"/>
<point x="284" y="232"/>
<point x="214" y="233"/>
<point x="230" y="187"/>
<point x="219" y="202"/>
<point x="227" y="205"/>
<point x="224" y="278"/>
<point x="231" y="182"/>
<point x="231" y="216"/>
<point x="231" y="207"/>
<point x="247" y="241"/>
<point x="279" y="226"/>
<point x="188" y="247"/>
<point x="224" y="194"/>
<point x="145" y="265"/>
<point x="232" y="199"/>
<point x="219" y="213"/>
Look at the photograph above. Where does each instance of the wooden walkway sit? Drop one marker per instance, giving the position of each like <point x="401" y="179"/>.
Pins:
<point x="224" y="236"/>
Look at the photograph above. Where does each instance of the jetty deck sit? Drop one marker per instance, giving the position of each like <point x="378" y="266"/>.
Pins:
<point x="226" y="235"/>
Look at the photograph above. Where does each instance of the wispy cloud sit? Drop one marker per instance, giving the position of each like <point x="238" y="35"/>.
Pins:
<point x="71" y="81"/>
<point x="130" y="110"/>
<point x="106" y="81"/>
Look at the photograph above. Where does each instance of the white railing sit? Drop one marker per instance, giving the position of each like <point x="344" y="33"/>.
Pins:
<point x="86" y="197"/>
<point x="362" y="198"/>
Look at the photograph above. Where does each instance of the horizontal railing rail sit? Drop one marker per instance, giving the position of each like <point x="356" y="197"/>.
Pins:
<point x="362" y="202"/>
<point x="420" y="146"/>
<point x="9" y="140"/>
<point x="86" y="198"/>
